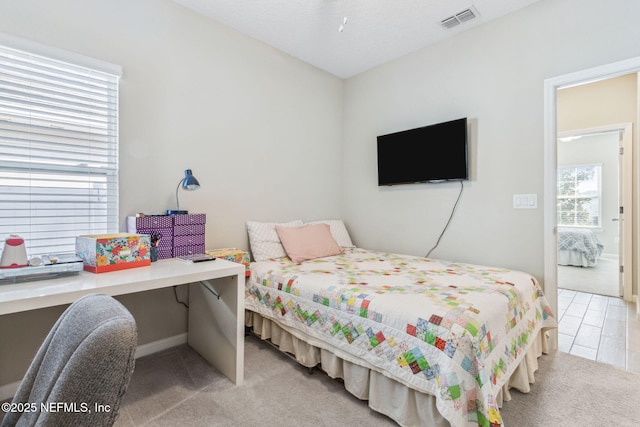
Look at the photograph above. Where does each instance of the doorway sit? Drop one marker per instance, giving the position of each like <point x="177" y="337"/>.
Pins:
<point x="590" y="176"/>
<point x="551" y="86"/>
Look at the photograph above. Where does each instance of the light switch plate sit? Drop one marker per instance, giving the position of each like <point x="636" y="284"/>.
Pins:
<point x="525" y="201"/>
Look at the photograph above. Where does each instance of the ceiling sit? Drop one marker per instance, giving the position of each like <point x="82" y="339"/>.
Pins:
<point x="375" y="32"/>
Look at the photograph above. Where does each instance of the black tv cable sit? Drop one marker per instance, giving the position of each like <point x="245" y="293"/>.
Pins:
<point x="449" y="221"/>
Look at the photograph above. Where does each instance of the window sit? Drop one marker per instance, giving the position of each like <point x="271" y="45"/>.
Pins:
<point x="58" y="151"/>
<point x="579" y="196"/>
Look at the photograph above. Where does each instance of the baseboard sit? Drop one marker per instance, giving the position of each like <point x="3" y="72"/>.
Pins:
<point x="8" y="390"/>
<point x="163" y="344"/>
<point x="607" y="255"/>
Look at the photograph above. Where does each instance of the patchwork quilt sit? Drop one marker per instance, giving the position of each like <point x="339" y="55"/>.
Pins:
<point x="456" y="331"/>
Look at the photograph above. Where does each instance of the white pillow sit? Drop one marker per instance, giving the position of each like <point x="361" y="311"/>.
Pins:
<point x="264" y="241"/>
<point x="338" y="231"/>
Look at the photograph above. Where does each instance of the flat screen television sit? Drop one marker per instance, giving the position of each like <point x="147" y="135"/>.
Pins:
<point x="434" y="153"/>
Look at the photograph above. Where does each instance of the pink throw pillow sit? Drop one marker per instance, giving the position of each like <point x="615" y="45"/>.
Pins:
<point x="308" y="242"/>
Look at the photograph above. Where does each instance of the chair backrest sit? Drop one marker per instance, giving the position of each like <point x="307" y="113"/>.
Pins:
<point x="82" y="369"/>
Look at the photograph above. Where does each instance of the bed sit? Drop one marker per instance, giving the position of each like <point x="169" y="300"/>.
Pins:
<point x="426" y="342"/>
<point x="578" y="247"/>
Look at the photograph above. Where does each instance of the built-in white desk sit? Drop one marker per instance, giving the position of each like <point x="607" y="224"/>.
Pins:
<point x="216" y="307"/>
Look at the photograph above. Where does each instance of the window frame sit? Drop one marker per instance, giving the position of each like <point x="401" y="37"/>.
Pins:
<point x="109" y="171"/>
<point x="576" y="196"/>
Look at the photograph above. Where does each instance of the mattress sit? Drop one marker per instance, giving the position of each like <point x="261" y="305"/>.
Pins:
<point x="453" y="331"/>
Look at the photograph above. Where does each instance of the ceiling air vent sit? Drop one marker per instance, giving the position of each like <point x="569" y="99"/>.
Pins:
<point x="458" y="18"/>
<point x="450" y="22"/>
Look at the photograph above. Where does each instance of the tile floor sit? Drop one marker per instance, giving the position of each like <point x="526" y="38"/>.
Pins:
<point x="600" y="328"/>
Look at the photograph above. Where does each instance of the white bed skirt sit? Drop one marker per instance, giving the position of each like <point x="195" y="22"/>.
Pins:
<point x="404" y="405"/>
<point x="574" y="258"/>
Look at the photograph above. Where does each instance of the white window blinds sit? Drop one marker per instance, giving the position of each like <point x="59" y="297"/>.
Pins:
<point x="58" y="151"/>
<point x="579" y="194"/>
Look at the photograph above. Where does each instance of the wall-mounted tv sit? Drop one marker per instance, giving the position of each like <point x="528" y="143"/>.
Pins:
<point x="434" y="153"/>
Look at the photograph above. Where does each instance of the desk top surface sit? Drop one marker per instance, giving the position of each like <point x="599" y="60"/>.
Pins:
<point x="64" y="290"/>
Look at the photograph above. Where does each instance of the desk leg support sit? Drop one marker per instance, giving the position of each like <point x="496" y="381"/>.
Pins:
<point x="216" y="324"/>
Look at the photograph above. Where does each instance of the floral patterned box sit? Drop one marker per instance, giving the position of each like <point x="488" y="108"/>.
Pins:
<point x="109" y="252"/>
<point x="233" y="255"/>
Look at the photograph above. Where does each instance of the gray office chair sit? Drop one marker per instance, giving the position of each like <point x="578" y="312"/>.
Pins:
<point x="85" y="362"/>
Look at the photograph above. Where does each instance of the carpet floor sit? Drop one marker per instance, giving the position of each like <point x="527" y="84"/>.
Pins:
<point x="177" y="387"/>
<point x="572" y="391"/>
<point x="601" y="279"/>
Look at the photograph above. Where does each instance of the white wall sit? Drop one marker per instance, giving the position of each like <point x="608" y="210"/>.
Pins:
<point x="260" y="130"/>
<point x="493" y="74"/>
<point x="256" y="126"/>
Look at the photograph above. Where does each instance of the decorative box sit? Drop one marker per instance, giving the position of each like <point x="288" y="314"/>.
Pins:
<point x="109" y="252"/>
<point x="180" y="235"/>
<point x="233" y="255"/>
<point x="188" y="234"/>
<point x="159" y="225"/>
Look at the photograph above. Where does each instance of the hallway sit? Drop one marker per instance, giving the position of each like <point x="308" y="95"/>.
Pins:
<point x="600" y="328"/>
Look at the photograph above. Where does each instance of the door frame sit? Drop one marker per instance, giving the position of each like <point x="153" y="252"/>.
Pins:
<point x="551" y="87"/>
<point x="625" y="198"/>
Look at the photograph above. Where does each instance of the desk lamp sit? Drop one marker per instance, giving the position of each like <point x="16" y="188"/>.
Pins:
<point x="190" y="183"/>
